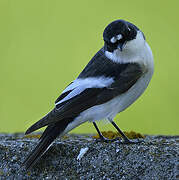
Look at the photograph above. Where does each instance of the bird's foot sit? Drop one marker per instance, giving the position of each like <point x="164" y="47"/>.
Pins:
<point x="128" y="141"/>
<point x="103" y="139"/>
<point x="119" y="140"/>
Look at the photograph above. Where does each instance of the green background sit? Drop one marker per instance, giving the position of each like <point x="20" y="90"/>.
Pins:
<point x="45" y="44"/>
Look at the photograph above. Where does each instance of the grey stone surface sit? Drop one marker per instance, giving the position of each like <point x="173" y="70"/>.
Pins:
<point x="155" y="158"/>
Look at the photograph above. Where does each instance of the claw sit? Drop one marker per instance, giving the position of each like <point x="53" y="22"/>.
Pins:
<point x="103" y="139"/>
<point x="118" y="139"/>
<point x="128" y="141"/>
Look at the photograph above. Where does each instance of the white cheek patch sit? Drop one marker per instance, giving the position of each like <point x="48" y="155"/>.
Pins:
<point x="113" y="39"/>
<point x="119" y="37"/>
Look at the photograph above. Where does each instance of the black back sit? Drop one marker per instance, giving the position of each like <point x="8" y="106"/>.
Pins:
<point x="100" y="65"/>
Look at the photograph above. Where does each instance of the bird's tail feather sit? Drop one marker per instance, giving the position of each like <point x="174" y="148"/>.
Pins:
<point x="50" y="118"/>
<point x="48" y="136"/>
<point x="38" y="152"/>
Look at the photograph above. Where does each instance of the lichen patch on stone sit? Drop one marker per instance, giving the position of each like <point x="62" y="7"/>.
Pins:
<point x="33" y="136"/>
<point x="113" y="135"/>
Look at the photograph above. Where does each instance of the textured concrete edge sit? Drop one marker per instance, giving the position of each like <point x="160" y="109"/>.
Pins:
<point x="81" y="157"/>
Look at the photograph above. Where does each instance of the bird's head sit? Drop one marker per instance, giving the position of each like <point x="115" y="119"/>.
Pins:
<point x="123" y="36"/>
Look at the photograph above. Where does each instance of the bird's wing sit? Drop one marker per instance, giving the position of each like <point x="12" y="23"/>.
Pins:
<point x="85" y="93"/>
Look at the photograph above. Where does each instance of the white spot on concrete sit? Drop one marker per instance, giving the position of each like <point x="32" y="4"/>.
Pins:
<point x="117" y="150"/>
<point x="82" y="153"/>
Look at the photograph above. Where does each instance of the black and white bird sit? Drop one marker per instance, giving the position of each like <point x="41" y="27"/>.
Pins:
<point x="114" y="78"/>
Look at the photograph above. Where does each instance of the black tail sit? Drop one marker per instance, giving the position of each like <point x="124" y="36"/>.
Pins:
<point x="48" y="136"/>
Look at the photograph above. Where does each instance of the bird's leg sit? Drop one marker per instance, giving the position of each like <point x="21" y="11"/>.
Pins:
<point x="102" y="138"/>
<point x="126" y="139"/>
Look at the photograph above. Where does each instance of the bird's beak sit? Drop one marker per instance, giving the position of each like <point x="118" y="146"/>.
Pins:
<point x="121" y="45"/>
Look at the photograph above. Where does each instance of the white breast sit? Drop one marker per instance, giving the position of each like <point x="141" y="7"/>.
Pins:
<point x="111" y="108"/>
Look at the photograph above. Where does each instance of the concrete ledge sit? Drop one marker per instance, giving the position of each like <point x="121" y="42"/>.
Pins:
<point x="156" y="158"/>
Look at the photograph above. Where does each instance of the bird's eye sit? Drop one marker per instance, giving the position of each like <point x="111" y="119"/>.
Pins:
<point x="110" y="46"/>
<point x="121" y="41"/>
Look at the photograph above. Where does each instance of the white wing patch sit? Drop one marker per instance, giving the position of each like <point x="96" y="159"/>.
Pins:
<point x="79" y="85"/>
